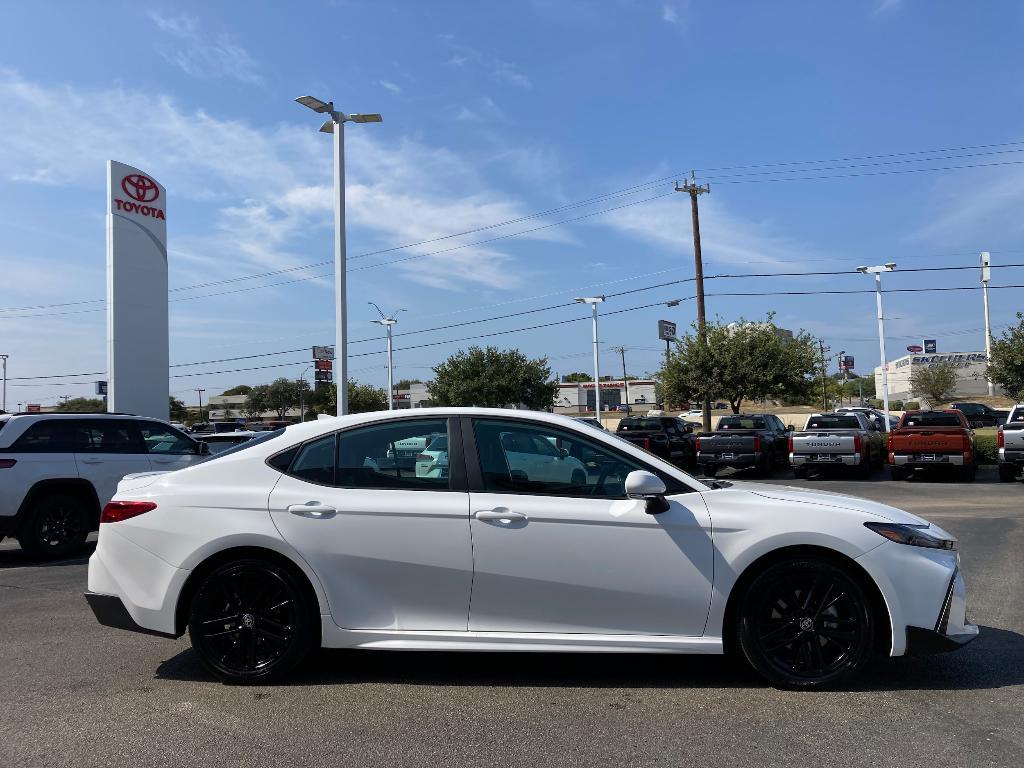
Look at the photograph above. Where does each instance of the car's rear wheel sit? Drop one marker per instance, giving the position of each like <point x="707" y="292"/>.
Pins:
<point x="969" y="473"/>
<point x="897" y="473"/>
<point x="806" y="623"/>
<point x="1007" y="473"/>
<point x="57" y="526"/>
<point x="251" y="622"/>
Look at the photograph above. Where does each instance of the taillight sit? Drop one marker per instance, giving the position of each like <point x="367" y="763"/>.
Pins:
<point x="790" y="443"/>
<point x="890" y="442"/>
<point x="698" y="444"/>
<point x="8" y="463"/>
<point x="856" y="444"/>
<point x="967" y="442"/>
<point x="116" y="511"/>
<point x="647" y="443"/>
<point x="757" y="443"/>
<point x="1000" y="442"/>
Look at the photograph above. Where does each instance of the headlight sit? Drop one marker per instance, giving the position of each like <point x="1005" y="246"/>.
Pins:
<point x="913" y="535"/>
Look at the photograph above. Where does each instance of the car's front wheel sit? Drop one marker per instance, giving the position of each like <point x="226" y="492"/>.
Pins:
<point x="805" y="624"/>
<point x="251" y="622"/>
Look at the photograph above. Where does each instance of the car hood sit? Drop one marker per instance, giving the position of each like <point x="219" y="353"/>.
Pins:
<point x="829" y="499"/>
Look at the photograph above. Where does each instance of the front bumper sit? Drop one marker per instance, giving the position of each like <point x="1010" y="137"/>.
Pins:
<point x="952" y="630"/>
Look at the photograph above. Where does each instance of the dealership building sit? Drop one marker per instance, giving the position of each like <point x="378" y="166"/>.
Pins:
<point x="573" y="397"/>
<point x="970" y="373"/>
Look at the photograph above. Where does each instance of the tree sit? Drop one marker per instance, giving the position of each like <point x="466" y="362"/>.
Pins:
<point x="178" y="410"/>
<point x="283" y="394"/>
<point x="82" y="405"/>
<point x="362" y="398"/>
<point x="493" y="378"/>
<point x="742" y="361"/>
<point x="1006" y="368"/>
<point x="241" y="389"/>
<point x="935" y="382"/>
<point x="256" y="402"/>
<point x="406" y="383"/>
<point x="577" y="377"/>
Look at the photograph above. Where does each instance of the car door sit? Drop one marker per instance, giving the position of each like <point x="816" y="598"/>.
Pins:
<point x="106" y="450"/>
<point x="573" y="557"/>
<point x="168" y="448"/>
<point x="391" y="548"/>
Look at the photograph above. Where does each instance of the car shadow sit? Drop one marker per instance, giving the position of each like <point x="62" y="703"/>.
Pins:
<point x="17" y="558"/>
<point x="994" y="660"/>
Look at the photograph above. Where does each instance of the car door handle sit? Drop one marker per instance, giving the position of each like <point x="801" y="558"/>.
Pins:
<point x="501" y="515"/>
<point x="313" y="509"/>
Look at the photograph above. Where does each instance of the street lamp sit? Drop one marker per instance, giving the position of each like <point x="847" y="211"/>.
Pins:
<point x="593" y="301"/>
<point x="336" y="125"/>
<point x="387" y="322"/>
<point x="877" y="272"/>
<point x="302" y="394"/>
<point x="3" y="403"/>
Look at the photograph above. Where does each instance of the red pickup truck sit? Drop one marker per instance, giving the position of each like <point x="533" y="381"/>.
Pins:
<point x="932" y="440"/>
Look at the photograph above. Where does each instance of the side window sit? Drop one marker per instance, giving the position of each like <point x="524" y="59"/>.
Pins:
<point x="108" y="436"/>
<point x="315" y="461"/>
<point x="166" y="440"/>
<point x="49" y="436"/>
<point x="574" y="466"/>
<point x="411" y="454"/>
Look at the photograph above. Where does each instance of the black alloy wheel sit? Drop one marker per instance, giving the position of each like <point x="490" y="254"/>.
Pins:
<point x="57" y="526"/>
<point x="806" y="624"/>
<point x="250" y="622"/>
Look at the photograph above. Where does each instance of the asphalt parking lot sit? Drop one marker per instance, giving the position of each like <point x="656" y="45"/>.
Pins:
<point x="77" y="694"/>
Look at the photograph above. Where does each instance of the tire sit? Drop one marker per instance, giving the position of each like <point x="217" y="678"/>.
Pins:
<point x="896" y="473"/>
<point x="806" y="624"/>
<point x="864" y="470"/>
<point x="800" y="473"/>
<point x="767" y="466"/>
<point x="250" y="621"/>
<point x="969" y="473"/>
<point x="1007" y="473"/>
<point x="56" y="526"/>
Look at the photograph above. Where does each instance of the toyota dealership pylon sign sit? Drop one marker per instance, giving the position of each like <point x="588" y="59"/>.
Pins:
<point x="137" y="344"/>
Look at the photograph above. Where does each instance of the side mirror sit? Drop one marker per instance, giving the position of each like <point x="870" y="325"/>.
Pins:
<point x="204" y="448"/>
<point x="790" y="428"/>
<point x="647" y="486"/>
<point x="563" y="452"/>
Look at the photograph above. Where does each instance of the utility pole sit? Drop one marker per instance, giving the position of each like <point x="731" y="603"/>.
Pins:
<point x="986" y="275"/>
<point x="824" y="372"/>
<point x="693" y="190"/>
<point x="625" y="381"/>
<point x="200" y="391"/>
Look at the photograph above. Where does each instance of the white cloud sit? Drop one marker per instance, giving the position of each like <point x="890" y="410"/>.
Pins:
<point x="668" y="14"/>
<point x="507" y="72"/>
<point x="198" y="55"/>
<point x="885" y="6"/>
<point x="393" y="87"/>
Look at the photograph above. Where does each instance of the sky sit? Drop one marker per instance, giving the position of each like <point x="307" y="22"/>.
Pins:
<point x="552" y="131"/>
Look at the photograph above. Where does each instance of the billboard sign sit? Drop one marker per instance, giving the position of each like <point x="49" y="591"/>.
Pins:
<point x="33" y="408"/>
<point x="101" y="388"/>
<point x="666" y="330"/>
<point x="846" y="363"/>
<point x="323" y="365"/>
<point x="324" y="375"/>
<point x="323" y="353"/>
<point x="915" y="348"/>
<point x="137" y="334"/>
<point x="929" y="346"/>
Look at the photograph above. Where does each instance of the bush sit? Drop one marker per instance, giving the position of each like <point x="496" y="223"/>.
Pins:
<point x="911" y="405"/>
<point x="875" y="403"/>
<point x="895" y="405"/>
<point x="986" y="448"/>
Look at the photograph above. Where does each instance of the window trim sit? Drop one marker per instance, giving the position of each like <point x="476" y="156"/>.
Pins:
<point x="475" y="477"/>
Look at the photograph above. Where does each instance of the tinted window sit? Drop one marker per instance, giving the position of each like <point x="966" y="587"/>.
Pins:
<point x="162" y="439"/>
<point x="315" y="461"/>
<point x="740" y="422"/>
<point x="637" y="425"/>
<point x="49" y="436"/>
<point x="108" y="436"/>
<point x="928" y="419"/>
<point x="833" y="422"/>
<point x="573" y="467"/>
<point x="261" y="438"/>
<point x="403" y="455"/>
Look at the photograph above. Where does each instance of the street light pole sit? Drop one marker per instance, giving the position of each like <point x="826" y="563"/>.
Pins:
<point x="336" y="125"/>
<point x="200" y="391"/>
<point x="877" y="272"/>
<point x="302" y="394"/>
<point x="986" y="275"/>
<point x="3" y="402"/>
<point x="593" y="301"/>
<point x="388" y="321"/>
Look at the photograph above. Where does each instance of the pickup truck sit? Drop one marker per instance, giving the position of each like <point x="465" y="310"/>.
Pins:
<point x="665" y="436"/>
<point x="929" y="440"/>
<point x="847" y="440"/>
<point x="1011" y="445"/>
<point x="980" y="415"/>
<point x="758" y="440"/>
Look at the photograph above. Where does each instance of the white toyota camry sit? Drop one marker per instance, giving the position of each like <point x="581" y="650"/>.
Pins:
<point x="322" y="534"/>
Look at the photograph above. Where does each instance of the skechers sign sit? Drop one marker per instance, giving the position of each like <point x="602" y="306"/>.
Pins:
<point x="142" y="190"/>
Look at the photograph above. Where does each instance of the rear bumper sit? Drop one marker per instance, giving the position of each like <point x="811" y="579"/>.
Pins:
<point x="1011" y="457"/>
<point x="738" y="460"/>
<point x="907" y="460"/>
<point x="111" y="612"/>
<point x="834" y="460"/>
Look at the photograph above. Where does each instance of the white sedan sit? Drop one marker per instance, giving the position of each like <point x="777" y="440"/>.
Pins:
<point x="308" y="537"/>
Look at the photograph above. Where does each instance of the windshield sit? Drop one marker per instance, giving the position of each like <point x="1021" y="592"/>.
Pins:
<point x="833" y="422"/>
<point x="740" y="422"/>
<point x="937" y="419"/>
<point x="636" y="425"/>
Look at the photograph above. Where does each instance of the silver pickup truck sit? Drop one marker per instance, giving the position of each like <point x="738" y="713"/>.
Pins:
<point x="850" y="440"/>
<point x="1011" y="445"/>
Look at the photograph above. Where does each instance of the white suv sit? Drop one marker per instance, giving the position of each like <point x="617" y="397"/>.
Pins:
<point x="58" y="470"/>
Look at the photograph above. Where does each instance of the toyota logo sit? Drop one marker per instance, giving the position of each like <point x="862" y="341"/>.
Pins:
<point x="141" y="188"/>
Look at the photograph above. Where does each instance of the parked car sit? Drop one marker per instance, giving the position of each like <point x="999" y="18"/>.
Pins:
<point x="641" y="557"/>
<point x="595" y="423"/>
<point x="57" y="470"/>
<point x="932" y="440"/>
<point x="873" y="413"/>
<point x="433" y="460"/>
<point x="1011" y="445"/>
<point x="758" y="440"/>
<point x="848" y="440"/>
<point x="664" y="436"/>
<point x="222" y="441"/>
<point x="981" y="415"/>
